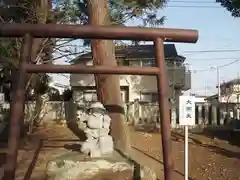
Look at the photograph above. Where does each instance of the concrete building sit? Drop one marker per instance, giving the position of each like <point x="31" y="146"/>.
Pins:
<point x="229" y="100"/>
<point x="143" y="88"/>
<point x="229" y="93"/>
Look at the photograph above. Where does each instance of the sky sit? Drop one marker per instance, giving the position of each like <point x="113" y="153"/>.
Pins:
<point x="218" y="30"/>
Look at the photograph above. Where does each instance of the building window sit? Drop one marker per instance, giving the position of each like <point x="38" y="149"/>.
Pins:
<point x="236" y="88"/>
<point x="169" y="63"/>
<point x="123" y="96"/>
<point x="135" y="63"/>
<point x="178" y="63"/>
<point x="90" y="96"/>
<point x="121" y="62"/>
<point x="142" y="63"/>
<point x="148" y="63"/>
<point x="149" y="96"/>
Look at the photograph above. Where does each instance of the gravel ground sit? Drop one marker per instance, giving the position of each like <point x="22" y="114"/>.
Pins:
<point x="207" y="161"/>
<point x="210" y="161"/>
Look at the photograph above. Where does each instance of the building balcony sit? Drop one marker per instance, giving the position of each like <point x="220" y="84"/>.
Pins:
<point x="179" y="77"/>
<point x="187" y="81"/>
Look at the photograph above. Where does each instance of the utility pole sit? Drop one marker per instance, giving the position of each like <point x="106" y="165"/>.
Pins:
<point x="173" y="83"/>
<point x="173" y="99"/>
<point x="108" y="86"/>
<point x="218" y="82"/>
<point x="205" y="89"/>
<point x="238" y="91"/>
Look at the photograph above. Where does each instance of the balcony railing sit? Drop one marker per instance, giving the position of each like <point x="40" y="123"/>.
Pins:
<point x="188" y="79"/>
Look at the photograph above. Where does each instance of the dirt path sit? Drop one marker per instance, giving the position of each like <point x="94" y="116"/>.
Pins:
<point x="35" y="151"/>
<point x="205" y="163"/>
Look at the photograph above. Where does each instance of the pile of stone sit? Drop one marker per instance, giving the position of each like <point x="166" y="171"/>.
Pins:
<point x="97" y="128"/>
<point x="107" y="163"/>
<point x="100" y="169"/>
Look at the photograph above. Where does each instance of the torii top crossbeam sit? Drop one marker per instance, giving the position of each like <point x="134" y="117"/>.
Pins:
<point x="98" y="32"/>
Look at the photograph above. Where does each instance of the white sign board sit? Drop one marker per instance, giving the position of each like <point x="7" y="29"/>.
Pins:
<point x="187" y="110"/>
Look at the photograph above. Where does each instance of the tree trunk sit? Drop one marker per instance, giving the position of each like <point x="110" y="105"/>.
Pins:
<point x="108" y="86"/>
<point x="42" y="11"/>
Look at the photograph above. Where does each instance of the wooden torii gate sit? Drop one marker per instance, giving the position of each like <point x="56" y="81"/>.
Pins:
<point x="30" y="31"/>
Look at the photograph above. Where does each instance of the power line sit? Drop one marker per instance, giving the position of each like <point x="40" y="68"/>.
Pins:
<point x="193" y="2"/>
<point x="212" y="51"/>
<point x="193" y="53"/>
<point x="202" y="70"/>
<point x="214" y="58"/>
<point x="228" y="64"/>
<point x="213" y="69"/>
<point x="183" y="6"/>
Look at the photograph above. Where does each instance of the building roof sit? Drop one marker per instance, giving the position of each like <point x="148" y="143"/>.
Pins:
<point x="212" y="97"/>
<point x="138" y="51"/>
<point x="233" y="81"/>
<point x="200" y="96"/>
